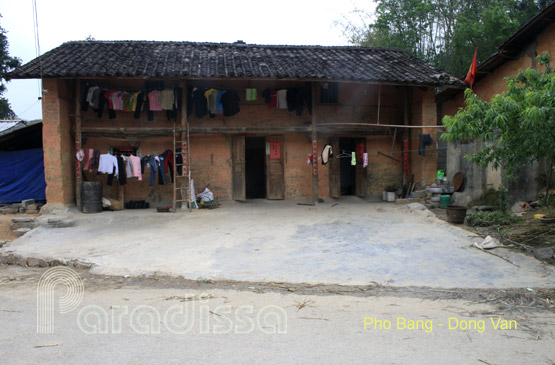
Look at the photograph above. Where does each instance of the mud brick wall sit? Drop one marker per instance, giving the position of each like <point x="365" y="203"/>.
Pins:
<point x="58" y="104"/>
<point x="211" y="153"/>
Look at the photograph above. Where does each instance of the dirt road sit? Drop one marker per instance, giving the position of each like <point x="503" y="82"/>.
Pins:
<point x="126" y="320"/>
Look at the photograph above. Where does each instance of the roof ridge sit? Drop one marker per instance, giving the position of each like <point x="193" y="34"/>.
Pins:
<point x="238" y="45"/>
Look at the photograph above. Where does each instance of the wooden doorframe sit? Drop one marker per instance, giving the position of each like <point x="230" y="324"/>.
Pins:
<point x="275" y="170"/>
<point x="335" y="170"/>
<point x="239" y="191"/>
<point x="361" y="173"/>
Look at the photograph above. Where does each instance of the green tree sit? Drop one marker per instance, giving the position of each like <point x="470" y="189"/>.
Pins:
<point x="7" y="64"/>
<point x="517" y="125"/>
<point x="444" y="32"/>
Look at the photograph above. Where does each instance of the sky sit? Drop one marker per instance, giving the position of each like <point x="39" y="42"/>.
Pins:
<point x="293" y="22"/>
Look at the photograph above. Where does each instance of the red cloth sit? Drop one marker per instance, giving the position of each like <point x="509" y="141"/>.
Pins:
<point x="273" y="103"/>
<point x="472" y="71"/>
<point x="168" y="160"/>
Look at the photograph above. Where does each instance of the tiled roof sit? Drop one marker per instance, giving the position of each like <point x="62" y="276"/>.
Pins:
<point x="235" y="60"/>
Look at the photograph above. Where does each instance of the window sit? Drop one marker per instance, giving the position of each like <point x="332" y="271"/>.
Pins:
<point x="329" y="93"/>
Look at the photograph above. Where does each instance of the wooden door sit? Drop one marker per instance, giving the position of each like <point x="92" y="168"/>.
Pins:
<point x="335" y="170"/>
<point x="361" y="173"/>
<point x="275" y="182"/>
<point x="238" y="167"/>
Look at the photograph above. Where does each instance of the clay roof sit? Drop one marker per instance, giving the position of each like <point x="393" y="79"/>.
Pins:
<point x="89" y="59"/>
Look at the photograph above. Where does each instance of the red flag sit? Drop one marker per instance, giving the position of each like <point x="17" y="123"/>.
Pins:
<point x="472" y="71"/>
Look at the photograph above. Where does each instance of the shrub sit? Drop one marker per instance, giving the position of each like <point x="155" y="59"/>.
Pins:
<point x="486" y="219"/>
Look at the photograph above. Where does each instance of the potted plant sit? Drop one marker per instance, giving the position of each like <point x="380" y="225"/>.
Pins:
<point x="390" y="193"/>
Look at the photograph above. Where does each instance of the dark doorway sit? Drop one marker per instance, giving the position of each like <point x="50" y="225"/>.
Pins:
<point x="255" y="174"/>
<point x="347" y="171"/>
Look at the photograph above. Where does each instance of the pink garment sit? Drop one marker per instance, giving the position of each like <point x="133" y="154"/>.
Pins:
<point x="89" y="159"/>
<point x="154" y="100"/>
<point x="136" y="167"/>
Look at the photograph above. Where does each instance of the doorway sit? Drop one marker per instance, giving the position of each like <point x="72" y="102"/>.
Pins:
<point x="255" y="167"/>
<point x="347" y="171"/>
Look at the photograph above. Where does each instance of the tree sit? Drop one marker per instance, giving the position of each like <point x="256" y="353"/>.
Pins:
<point x="7" y="64"/>
<point x="517" y="125"/>
<point x="444" y="32"/>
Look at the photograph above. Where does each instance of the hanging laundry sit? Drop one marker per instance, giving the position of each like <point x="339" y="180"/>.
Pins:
<point x="128" y="168"/>
<point x="425" y="140"/>
<point x="230" y="101"/>
<point x="250" y="94"/>
<point x="364" y="159"/>
<point x="90" y="93"/>
<point x="327" y="153"/>
<point x="282" y="99"/>
<point x="139" y="104"/>
<point x="128" y="102"/>
<point x="136" y="167"/>
<point x="292" y="99"/>
<point x="267" y="95"/>
<point x="353" y="158"/>
<point x="167" y="99"/>
<point x="211" y="96"/>
<point x="107" y="164"/>
<point x="219" y="104"/>
<point x="89" y="159"/>
<point x="154" y="101"/>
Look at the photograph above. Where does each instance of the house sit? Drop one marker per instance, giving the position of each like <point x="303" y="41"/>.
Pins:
<point x="519" y="51"/>
<point x="21" y="161"/>
<point x="374" y="103"/>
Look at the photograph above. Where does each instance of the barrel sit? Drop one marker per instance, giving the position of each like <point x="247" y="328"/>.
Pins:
<point x="455" y="214"/>
<point x="91" y="197"/>
<point x="444" y="201"/>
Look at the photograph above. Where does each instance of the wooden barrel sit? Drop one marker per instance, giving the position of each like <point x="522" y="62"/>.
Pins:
<point x="91" y="197"/>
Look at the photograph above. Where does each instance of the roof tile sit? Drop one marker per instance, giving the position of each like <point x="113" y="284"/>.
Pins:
<point x="225" y="60"/>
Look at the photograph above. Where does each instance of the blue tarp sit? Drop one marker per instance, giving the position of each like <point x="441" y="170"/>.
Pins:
<point x="22" y="175"/>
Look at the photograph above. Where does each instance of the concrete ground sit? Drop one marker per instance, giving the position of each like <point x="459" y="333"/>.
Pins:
<point x="348" y="241"/>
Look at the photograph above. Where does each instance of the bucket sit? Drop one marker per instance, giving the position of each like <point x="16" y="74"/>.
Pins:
<point x="455" y="214"/>
<point x="444" y="201"/>
<point x="91" y="197"/>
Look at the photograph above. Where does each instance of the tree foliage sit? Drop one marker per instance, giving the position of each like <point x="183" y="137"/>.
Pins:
<point x="445" y="32"/>
<point x="7" y="64"/>
<point x="517" y="125"/>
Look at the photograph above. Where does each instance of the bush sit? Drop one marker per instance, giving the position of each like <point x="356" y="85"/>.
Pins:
<point x="486" y="219"/>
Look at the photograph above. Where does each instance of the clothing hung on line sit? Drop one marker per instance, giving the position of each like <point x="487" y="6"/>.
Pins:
<point x="425" y="140"/>
<point x="327" y="153"/>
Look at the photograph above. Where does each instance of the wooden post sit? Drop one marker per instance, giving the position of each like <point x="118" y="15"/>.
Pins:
<point x="314" y="146"/>
<point x="78" y="140"/>
<point x="406" y="144"/>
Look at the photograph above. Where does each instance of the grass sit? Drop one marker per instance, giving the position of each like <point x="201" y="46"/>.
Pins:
<point x="486" y="219"/>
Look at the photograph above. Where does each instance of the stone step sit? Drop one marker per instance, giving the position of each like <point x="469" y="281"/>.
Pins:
<point x="15" y="259"/>
<point x="25" y="222"/>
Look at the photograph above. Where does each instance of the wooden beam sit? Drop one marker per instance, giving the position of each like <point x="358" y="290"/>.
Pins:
<point x="314" y="128"/>
<point x="78" y="141"/>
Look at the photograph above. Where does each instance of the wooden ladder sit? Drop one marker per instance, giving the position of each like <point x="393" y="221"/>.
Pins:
<point x="185" y="176"/>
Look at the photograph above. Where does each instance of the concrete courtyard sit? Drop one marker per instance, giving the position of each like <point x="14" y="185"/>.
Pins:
<point x="348" y="241"/>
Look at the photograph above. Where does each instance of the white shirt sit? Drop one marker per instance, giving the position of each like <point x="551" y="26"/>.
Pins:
<point x="282" y="99"/>
<point x="107" y="163"/>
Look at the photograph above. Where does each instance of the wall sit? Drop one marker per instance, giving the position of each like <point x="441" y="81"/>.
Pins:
<point x="424" y="113"/>
<point x="58" y="104"/>
<point x="211" y="153"/>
